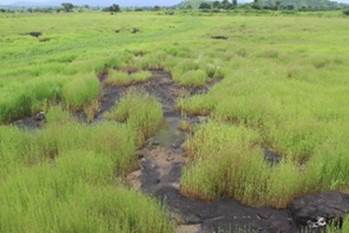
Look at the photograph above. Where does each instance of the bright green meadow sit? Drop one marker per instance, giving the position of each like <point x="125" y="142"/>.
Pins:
<point x="284" y="87"/>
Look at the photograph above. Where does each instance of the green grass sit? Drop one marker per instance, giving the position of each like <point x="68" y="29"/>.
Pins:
<point x="195" y="73"/>
<point x="285" y="87"/>
<point x="62" y="179"/>
<point x="195" y="78"/>
<point x="118" y="78"/>
<point x="141" y="112"/>
<point x="73" y="196"/>
<point x="80" y="91"/>
<point x="234" y="159"/>
<point x="63" y="134"/>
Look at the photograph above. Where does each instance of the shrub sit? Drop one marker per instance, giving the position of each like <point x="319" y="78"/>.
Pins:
<point x="346" y="12"/>
<point x="205" y="5"/>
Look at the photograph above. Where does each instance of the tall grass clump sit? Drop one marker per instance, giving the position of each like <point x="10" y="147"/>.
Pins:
<point x="141" y="112"/>
<point x="62" y="134"/>
<point x="14" y="145"/>
<point x="192" y="78"/>
<point x="229" y="161"/>
<point x="196" y="73"/>
<point x="113" y="140"/>
<point x="19" y="100"/>
<point x="81" y="91"/>
<point x="201" y="105"/>
<point x="61" y="179"/>
<point x="75" y="195"/>
<point x="119" y="78"/>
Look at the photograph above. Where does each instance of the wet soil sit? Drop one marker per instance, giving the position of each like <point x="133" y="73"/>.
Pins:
<point x="161" y="162"/>
<point x="160" y="86"/>
<point x="272" y="157"/>
<point x="32" y="122"/>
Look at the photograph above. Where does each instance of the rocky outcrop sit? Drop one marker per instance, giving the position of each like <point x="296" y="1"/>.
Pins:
<point x="319" y="210"/>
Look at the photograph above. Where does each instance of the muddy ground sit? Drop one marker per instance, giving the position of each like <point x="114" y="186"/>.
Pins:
<point x="163" y="158"/>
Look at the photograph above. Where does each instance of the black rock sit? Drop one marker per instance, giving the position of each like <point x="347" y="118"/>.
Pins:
<point x="34" y="34"/>
<point x="271" y="157"/>
<point x="319" y="210"/>
<point x="155" y="143"/>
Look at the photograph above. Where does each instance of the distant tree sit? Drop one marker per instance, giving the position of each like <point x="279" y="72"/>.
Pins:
<point x="67" y="7"/>
<point x="346" y="12"/>
<point x="256" y="4"/>
<point x="235" y="3"/>
<point x="216" y="4"/>
<point x="205" y="5"/>
<point x="188" y="7"/>
<point x="290" y="7"/>
<point x="226" y="4"/>
<point x="2" y="10"/>
<point x="113" y="8"/>
<point x="156" y="8"/>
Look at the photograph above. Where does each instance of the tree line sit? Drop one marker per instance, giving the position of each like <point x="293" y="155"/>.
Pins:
<point x="266" y="4"/>
<point x="204" y="5"/>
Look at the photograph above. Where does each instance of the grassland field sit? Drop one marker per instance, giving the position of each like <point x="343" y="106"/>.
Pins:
<point x="284" y="87"/>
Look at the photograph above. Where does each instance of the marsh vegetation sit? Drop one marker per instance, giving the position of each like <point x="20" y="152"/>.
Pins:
<point x="275" y="82"/>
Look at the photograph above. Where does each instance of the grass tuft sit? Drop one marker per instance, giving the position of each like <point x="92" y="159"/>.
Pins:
<point x="141" y="112"/>
<point x="119" y="78"/>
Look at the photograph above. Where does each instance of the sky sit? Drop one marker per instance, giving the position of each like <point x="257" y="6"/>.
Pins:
<point x="121" y="2"/>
